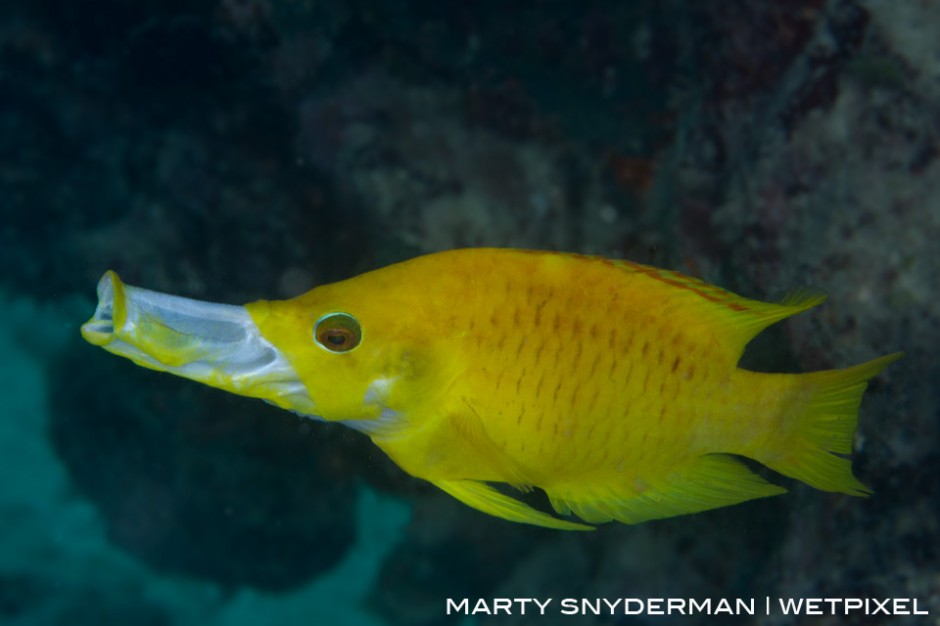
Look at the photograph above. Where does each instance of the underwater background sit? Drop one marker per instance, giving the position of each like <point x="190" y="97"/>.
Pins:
<point x="229" y="150"/>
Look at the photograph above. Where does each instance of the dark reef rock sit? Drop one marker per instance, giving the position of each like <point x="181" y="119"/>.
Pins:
<point x="198" y="482"/>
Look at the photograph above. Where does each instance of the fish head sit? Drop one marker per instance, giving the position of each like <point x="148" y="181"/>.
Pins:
<point x="369" y="350"/>
<point x="354" y="352"/>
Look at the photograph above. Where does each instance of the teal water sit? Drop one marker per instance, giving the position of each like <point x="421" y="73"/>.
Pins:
<point x="58" y="564"/>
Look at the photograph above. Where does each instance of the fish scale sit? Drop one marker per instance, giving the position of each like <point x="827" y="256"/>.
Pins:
<point x="612" y="386"/>
<point x="554" y="392"/>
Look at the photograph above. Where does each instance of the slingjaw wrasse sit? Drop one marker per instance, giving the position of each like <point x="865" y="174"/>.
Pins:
<point x="612" y="386"/>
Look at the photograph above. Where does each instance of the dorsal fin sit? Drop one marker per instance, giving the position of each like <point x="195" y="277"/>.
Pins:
<point x="737" y="319"/>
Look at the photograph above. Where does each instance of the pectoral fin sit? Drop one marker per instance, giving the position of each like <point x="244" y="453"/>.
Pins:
<point x="484" y="498"/>
<point x="469" y="427"/>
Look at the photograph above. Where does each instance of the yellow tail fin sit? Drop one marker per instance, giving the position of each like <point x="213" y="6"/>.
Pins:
<point x="825" y="427"/>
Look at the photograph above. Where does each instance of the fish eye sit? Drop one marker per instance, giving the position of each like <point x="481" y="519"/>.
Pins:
<point x="337" y="332"/>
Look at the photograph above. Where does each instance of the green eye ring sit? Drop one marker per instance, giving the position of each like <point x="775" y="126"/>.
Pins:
<point x="337" y="332"/>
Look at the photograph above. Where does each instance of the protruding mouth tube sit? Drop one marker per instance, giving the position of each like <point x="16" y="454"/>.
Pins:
<point x="215" y="344"/>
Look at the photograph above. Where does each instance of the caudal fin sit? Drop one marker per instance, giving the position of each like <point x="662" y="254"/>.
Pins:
<point x="825" y="428"/>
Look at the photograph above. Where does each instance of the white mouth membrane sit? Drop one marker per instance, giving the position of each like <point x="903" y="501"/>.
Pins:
<point x="215" y="344"/>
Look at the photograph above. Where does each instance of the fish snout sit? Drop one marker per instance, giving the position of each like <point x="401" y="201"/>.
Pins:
<point x="99" y="330"/>
<point x="215" y="344"/>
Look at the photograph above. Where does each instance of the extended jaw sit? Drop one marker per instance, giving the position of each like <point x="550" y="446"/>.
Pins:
<point x="215" y="344"/>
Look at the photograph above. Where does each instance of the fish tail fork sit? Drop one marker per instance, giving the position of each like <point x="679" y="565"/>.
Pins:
<point x="822" y="429"/>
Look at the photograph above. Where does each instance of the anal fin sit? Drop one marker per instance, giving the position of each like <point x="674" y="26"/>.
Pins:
<point x="708" y="482"/>
<point x="484" y="498"/>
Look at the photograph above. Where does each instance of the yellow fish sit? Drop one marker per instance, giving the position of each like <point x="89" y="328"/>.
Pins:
<point x="612" y="386"/>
